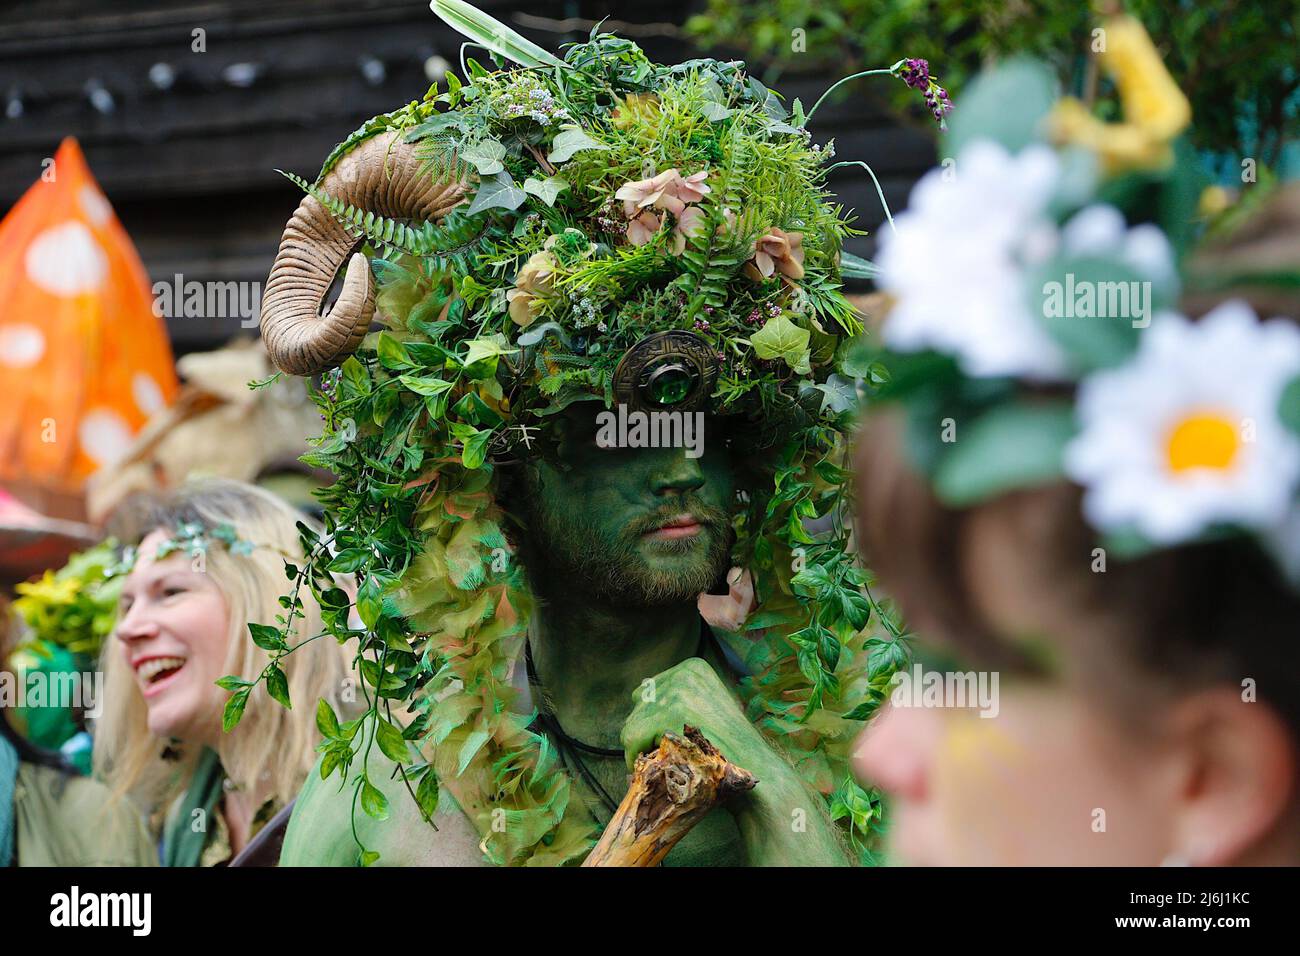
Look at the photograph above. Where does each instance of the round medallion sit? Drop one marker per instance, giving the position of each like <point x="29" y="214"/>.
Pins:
<point x="672" y="370"/>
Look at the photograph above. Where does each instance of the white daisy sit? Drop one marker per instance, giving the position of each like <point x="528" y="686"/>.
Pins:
<point x="1186" y="435"/>
<point x="955" y="263"/>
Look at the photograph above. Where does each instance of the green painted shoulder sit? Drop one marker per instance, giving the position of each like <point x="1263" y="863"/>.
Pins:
<point x="320" y="830"/>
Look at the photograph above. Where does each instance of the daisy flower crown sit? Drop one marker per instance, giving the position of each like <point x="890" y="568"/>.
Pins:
<point x="1034" y="331"/>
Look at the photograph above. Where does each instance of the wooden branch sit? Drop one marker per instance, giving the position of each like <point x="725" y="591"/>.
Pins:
<point x="672" y="789"/>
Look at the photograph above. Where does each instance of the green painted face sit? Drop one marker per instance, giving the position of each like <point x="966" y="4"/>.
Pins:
<point x="628" y="526"/>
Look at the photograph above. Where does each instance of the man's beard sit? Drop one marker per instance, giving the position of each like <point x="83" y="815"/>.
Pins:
<point x="569" y="553"/>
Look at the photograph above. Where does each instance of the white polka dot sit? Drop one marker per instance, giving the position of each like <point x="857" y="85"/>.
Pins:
<point x="104" y="436"/>
<point x="66" y="260"/>
<point x="94" y="205"/>
<point x="148" y="396"/>
<point x="21" y="345"/>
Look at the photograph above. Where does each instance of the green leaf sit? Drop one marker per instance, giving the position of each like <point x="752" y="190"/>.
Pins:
<point x="489" y="32"/>
<point x="232" y="682"/>
<point x="487" y="348"/>
<point x="349" y="560"/>
<point x="392" y="353"/>
<point x="426" y="795"/>
<point x="277" y="685"/>
<point x="369" y="857"/>
<point x="546" y="189"/>
<point x="855" y="267"/>
<point x="373" y="802"/>
<point x="1011" y="446"/>
<point x="425" y="385"/>
<point x="327" y="722"/>
<point x="266" y="637"/>
<point x="370" y="600"/>
<point x="485" y="156"/>
<point x="1093" y="307"/>
<point x="986" y="112"/>
<point x="570" y="140"/>
<point x="391" y="742"/>
<point x="1288" y="408"/>
<point x="234" y="709"/>
<point x="498" y="192"/>
<point x="781" y="338"/>
<point x="475" y="442"/>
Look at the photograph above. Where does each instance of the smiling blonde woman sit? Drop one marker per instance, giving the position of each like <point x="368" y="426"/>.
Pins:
<point x="211" y="560"/>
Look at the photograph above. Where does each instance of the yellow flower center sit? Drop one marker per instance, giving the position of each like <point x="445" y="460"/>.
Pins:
<point x="1205" y="440"/>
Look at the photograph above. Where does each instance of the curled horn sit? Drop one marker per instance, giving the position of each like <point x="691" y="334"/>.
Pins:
<point x="381" y="175"/>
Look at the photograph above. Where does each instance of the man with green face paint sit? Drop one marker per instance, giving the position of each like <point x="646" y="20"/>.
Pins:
<point x="618" y="545"/>
<point x="523" y="491"/>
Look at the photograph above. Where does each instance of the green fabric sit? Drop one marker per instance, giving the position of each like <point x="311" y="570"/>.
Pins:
<point x="8" y="780"/>
<point x="65" y="820"/>
<point x="50" y="727"/>
<point x="182" y="843"/>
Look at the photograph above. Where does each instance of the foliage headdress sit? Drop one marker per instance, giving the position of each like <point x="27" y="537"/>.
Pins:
<point x="528" y="229"/>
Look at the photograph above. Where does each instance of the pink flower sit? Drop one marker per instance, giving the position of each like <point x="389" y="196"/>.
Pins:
<point x="776" y="251"/>
<point x="533" y="281"/>
<point x="667" y="192"/>
<point x="690" y="223"/>
<point x="643" y="228"/>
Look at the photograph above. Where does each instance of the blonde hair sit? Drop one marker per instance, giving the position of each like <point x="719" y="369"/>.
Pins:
<point x="272" y="748"/>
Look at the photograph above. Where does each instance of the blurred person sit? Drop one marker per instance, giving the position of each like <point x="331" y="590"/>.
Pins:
<point x="1091" y="515"/>
<point x="51" y="816"/>
<point x="210" y="561"/>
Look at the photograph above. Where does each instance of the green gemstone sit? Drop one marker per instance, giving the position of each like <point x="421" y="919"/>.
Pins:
<point x="671" y="385"/>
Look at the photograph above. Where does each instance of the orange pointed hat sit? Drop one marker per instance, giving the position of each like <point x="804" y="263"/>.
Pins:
<point x="84" y="361"/>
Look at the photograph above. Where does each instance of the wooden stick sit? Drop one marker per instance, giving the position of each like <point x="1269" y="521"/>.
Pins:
<point x="672" y="789"/>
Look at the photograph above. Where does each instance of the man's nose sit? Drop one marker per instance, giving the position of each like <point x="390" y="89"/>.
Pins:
<point x="895" y="752"/>
<point x="678" y="476"/>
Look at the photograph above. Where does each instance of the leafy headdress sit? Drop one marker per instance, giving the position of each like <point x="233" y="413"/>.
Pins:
<point x="597" y="227"/>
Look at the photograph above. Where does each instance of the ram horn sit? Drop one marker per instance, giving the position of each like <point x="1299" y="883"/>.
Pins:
<point x="381" y="175"/>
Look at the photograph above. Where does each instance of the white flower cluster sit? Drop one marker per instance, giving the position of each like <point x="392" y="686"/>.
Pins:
<point x="1185" y="435"/>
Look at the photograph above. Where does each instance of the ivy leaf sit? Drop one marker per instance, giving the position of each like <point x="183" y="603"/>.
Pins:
<point x="570" y="140"/>
<point x="714" y="112"/>
<point x="426" y="795"/>
<point x="349" y="560"/>
<point x="474" y="452"/>
<point x="392" y="353"/>
<point x="266" y="637"/>
<point x="546" y="189"/>
<point x="277" y="685"/>
<point x="781" y="338"/>
<point x="487" y="348"/>
<point x="370" y="600"/>
<point x="425" y="385"/>
<point x="327" y="722"/>
<point x="498" y="192"/>
<point x="485" y="156"/>
<point x="234" y="709"/>
<point x="373" y="802"/>
<point x="391" y="742"/>
<point x="369" y="857"/>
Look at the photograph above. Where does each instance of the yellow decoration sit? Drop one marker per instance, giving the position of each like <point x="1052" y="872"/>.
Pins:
<point x="1155" y="109"/>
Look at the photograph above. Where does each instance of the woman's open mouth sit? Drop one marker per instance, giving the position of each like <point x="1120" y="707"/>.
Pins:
<point x="155" y="672"/>
<point x="682" y="526"/>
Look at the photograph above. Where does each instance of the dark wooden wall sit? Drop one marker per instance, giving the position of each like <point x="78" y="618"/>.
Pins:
<point x="190" y="168"/>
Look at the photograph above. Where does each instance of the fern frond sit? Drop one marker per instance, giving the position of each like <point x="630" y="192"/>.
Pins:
<point x="454" y="243"/>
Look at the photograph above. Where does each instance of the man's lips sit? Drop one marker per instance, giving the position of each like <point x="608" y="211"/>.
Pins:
<point x="679" y="526"/>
